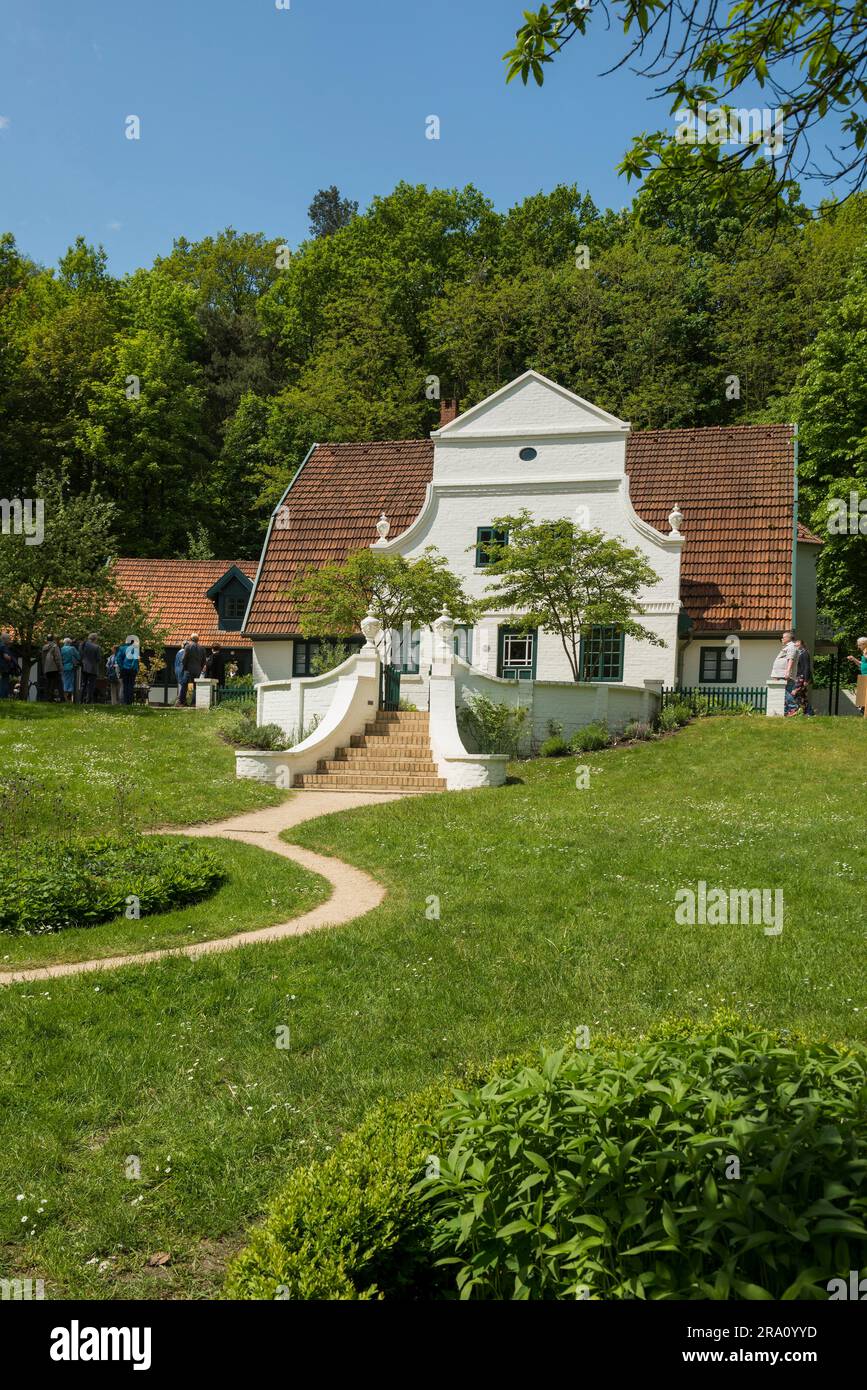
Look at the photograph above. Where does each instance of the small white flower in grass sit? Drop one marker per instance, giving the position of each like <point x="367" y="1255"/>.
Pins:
<point x="20" y="1197"/>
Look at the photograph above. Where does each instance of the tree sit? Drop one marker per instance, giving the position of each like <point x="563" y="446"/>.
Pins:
<point x="329" y="212"/>
<point x="199" y="544"/>
<point x="566" y="580"/>
<point x="333" y="600"/>
<point x="64" y="583"/>
<point x="831" y="405"/>
<point x="811" y="55"/>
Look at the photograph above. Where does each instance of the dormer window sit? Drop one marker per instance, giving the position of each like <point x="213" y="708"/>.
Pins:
<point x="230" y="596"/>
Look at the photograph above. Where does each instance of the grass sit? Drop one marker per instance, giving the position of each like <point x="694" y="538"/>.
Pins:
<point x="261" y="889"/>
<point x="556" y="909"/>
<point x="91" y="768"/>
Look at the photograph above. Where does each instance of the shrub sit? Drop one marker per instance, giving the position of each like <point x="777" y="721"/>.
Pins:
<point x="77" y="883"/>
<point x="351" y="1227"/>
<point x="605" y="1169"/>
<point x="682" y="713"/>
<point x="637" y="730"/>
<point x="590" y="739"/>
<point x="493" y="727"/>
<point x="666" y="720"/>
<point x="612" y="1171"/>
<point x="739" y="707"/>
<point x="554" y="747"/>
<point x="238" y="726"/>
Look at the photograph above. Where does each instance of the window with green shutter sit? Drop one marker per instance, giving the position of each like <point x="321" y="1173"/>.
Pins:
<point x="484" y="536"/>
<point x="716" y="667"/>
<point x="516" y="654"/>
<point x="601" y="657"/>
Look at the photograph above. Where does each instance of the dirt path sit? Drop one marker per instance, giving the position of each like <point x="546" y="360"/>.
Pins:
<point x="355" y="892"/>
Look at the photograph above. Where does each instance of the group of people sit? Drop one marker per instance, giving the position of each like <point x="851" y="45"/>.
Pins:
<point x="794" y="665"/>
<point x="193" y="660"/>
<point x="63" y="661"/>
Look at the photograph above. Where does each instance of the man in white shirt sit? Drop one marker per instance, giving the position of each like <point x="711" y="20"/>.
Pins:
<point x="784" y="668"/>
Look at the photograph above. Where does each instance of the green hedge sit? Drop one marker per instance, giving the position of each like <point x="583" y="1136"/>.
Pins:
<point x="350" y="1227"/>
<point x="49" y="885"/>
<point x="608" y="1170"/>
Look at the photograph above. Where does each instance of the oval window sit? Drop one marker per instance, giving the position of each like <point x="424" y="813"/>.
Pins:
<point x="527" y="455"/>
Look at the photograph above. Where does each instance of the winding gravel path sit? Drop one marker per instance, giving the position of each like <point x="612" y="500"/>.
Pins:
<point x="355" y="892"/>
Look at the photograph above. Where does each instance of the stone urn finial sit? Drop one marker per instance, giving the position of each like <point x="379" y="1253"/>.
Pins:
<point x="371" y="627"/>
<point x="383" y="526"/>
<point x="675" y="520"/>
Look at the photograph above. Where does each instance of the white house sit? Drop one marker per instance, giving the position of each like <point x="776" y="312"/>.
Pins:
<point x="713" y="510"/>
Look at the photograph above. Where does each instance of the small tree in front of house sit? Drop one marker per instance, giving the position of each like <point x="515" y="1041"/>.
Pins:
<point x="557" y="576"/>
<point x="332" y="601"/>
<point x="62" y="581"/>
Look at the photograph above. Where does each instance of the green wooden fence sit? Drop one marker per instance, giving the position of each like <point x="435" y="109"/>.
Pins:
<point x="718" y="697"/>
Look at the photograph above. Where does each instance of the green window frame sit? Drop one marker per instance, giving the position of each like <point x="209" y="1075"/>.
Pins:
<point x="516" y="653"/>
<point x="715" y="668"/>
<point x="463" y="643"/>
<point x="304" y="650"/>
<point x="601" y="655"/>
<point x="484" y="536"/>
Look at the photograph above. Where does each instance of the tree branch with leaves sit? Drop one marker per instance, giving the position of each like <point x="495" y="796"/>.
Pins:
<point x="557" y="576"/>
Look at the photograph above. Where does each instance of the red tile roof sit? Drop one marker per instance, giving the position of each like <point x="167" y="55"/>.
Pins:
<point x="734" y="486"/>
<point x="331" y="510"/>
<point x="176" y="591"/>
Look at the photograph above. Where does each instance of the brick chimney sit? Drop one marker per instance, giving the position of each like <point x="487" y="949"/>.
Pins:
<point x="448" y="412"/>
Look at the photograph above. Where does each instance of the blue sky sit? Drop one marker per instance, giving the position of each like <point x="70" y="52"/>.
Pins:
<point x="246" y="111"/>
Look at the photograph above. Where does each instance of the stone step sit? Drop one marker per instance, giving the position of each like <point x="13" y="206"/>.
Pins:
<point x="378" y="781"/>
<point x="384" y="749"/>
<point x="403" y="716"/>
<point x="401" y="765"/>
<point x="409" y="737"/>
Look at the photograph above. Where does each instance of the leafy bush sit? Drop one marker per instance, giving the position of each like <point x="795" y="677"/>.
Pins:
<point x="493" y="727"/>
<point x="351" y="1227"/>
<point x="554" y="747"/>
<point x="240" y="682"/>
<point x="667" y="721"/>
<point x="682" y="713"/>
<point x="590" y="739"/>
<point x="739" y="707"/>
<point x="732" y="1165"/>
<point x="238" y="726"/>
<point x="609" y="1169"/>
<point x="76" y="883"/>
<point x="637" y="730"/>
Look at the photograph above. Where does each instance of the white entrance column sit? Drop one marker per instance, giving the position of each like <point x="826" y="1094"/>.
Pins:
<point x="776" y="697"/>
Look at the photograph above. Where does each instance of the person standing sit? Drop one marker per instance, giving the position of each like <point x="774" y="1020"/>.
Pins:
<point x="113" y="672"/>
<point x="182" y="680"/>
<point x="52" y="665"/>
<point x="70" y="662"/>
<point x="91" y="658"/>
<point x="803" y="679"/>
<point x="9" y="667"/>
<point x="216" y="665"/>
<point x="193" y="662"/>
<point x="127" y="662"/>
<point x="783" y="669"/>
<point x="860" y="661"/>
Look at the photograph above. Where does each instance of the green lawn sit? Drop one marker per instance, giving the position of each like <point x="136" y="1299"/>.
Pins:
<point x="556" y="909"/>
<point x="261" y="889"/>
<point x="91" y="768"/>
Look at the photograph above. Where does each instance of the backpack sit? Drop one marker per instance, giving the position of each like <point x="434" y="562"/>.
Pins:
<point x="126" y="659"/>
